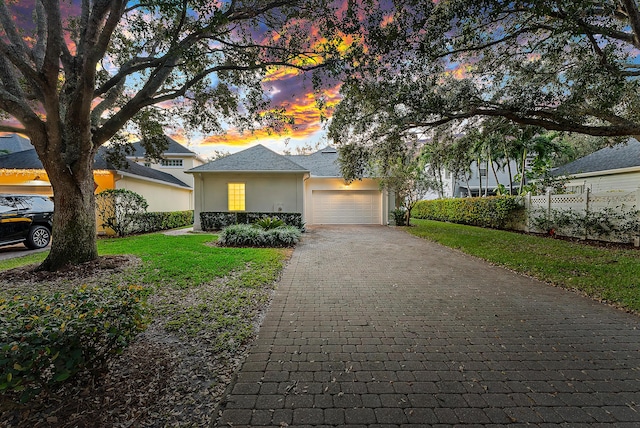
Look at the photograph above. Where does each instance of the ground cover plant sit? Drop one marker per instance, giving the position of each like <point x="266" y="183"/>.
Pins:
<point x="261" y="234"/>
<point x="610" y="274"/>
<point x="204" y="304"/>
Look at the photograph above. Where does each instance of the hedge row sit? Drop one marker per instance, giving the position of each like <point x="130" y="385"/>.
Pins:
<point x="47" y="338"/>
<point x="219" y="220"/>
<point x="155" y="221"/>
<point x="494" y="211"/>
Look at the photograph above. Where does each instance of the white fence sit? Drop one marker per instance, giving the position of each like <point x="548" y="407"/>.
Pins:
<point x="611" y="216"/>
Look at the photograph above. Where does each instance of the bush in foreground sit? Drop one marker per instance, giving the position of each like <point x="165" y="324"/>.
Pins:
<point x="245" y="235"/>
<point x="46" y="339"/>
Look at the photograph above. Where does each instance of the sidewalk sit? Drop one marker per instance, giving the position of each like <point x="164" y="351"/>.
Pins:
<point x="370" y="326"/>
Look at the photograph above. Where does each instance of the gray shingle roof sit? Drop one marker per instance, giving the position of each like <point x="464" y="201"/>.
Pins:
<point x="254" y="159"/>
<point x="14" y="143"/>
<point x="323" y="163"/>
<point x="28" y="159"/>
<point x="173" y="147"/>
<point x="625" y="155"/>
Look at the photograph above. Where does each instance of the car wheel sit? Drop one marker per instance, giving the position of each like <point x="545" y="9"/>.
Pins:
<point x="39" y="237"/>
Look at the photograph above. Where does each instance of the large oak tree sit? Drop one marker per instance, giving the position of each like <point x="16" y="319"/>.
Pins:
<point x="563" y="65"/>
<point x="79" y="73"/>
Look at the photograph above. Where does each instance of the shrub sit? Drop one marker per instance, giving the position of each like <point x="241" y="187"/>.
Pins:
<point x="117" y="209"/>
<point x="268" y="223"/>
<point x="46" y="339"/>
<point x="219" y="220"/>
<point x="619" y="224"/>
<point x="399" y="216"/>
<point x="245" y="235"/>
<point x="154" y="221"/>
<point x="495" y="212"/>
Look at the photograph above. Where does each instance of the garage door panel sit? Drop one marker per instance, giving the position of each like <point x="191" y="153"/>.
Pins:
<point x="346" y="207"/>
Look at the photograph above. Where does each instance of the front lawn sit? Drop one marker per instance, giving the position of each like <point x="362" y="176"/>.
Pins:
<point x="205" y="303"/>
<point x="609" y="274"/>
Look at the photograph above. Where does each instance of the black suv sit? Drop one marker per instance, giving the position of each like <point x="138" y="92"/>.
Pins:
<point x="25" y="218"/>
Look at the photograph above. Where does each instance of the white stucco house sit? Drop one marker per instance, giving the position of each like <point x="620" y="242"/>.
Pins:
<point x="260" y="180"/>
<point x="611" y="169"/>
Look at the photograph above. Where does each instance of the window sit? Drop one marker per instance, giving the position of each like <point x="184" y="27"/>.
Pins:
<point x="172" y="162"/>
<point x="483" y="172"/>
<point x="236" y="196"/>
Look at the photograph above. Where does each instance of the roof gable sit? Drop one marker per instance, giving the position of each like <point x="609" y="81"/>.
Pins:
<point x="254" y="159"/>
<point x="625" y="155"/>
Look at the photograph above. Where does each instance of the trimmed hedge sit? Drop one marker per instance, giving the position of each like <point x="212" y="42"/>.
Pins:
<point x="247" y="235"/>
<point x="45" y="339"/>
<point x="495" y="211"/>
<point x="155" y="221"/>
<point x="219" y="220"/>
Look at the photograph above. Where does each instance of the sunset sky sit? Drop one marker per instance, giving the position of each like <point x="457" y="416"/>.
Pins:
<point x="285" y="87"/>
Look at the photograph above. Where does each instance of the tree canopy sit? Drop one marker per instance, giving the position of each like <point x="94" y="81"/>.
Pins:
<point x="563" y="65"/>
<point x="77" y="74"/>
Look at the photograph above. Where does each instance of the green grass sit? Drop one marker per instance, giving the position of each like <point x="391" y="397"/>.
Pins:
<point x="603" y="273"/>
<point x="195" y="289"/>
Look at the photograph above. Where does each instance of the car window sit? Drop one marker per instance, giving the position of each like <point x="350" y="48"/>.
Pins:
<point x="22" y="202"/>
<point x="6" y="204"/>
<point x="42" y="204"/>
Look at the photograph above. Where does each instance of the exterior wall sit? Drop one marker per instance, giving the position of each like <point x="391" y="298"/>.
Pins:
<point x="319" y="183"/>
<point x="160" y="197"/>
<point x="264" y="192"/>
<point x="35" y="181"/>
<point x="621" y="182"/>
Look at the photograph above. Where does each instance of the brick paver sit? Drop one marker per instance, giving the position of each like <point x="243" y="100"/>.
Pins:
<point x="370" y="326"/>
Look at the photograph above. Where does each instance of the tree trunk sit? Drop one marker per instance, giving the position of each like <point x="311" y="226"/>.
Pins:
<point x="495" y="173"/>
<point x="522" y="171"/>
<point x="508" y="160"/>
<point x="74" y="220"/>
<point x="480" y="178"/>
<point x="486" y="188"/>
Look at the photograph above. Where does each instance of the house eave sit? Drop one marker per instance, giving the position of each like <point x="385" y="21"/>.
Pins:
<point x="191" y="171"/>
<point x="152" y="180"/>
<point x="604" y="172"/>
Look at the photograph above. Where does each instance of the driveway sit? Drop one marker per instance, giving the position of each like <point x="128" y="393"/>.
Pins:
<point x="370" y="326"/>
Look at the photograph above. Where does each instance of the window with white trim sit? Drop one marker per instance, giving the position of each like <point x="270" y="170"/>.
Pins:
<point x="172" y="162"/>
<point x="236" y="196"/>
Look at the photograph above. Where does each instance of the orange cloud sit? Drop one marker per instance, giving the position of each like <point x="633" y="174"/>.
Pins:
<point x="304" y="110"/>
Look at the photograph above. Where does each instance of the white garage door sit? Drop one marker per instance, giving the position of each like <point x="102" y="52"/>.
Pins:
<point x="346" y="206"/>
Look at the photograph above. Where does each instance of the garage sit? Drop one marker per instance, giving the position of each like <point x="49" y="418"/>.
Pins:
<point x="346" y="207"/>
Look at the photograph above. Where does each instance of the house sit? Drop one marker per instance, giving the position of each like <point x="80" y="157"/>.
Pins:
<point x="260" y="180"/>
<point x="612" y="169"/>
<point x="478" y="180"/>
<point x="176" y="160"/>
<point x="22" y="172"/>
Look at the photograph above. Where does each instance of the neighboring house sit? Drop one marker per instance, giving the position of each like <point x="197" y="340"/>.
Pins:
<point x="260" y="180"/>
<point x="176" y="159"/>
<point x="612" y="169"/>
<point x="459" y="187"/>
<point x="12" y="143"/>
<point x="22" y="172"/>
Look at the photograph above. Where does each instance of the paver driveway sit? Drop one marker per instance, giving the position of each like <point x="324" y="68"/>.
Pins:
<point x="371" y="326"/>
